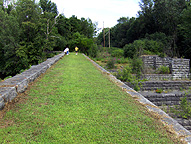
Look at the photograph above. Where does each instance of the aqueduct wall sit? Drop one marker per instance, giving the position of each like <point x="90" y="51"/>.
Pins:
<point x="10" y="88"/>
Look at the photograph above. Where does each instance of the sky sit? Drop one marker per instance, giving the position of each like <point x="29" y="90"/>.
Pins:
<point x="105" y="12"/>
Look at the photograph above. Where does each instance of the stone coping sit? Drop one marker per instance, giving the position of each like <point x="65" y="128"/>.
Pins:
<point x="178" y="129"/>
<point x="10" y="88"/>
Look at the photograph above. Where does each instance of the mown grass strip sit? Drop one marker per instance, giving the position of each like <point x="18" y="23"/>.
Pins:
<point x="74" y="103"/>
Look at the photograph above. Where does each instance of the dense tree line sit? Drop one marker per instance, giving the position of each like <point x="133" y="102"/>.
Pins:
<point x="29" y="31"/>
<point x="162" y="26"/>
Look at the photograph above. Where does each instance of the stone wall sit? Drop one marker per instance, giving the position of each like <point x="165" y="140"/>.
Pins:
<point x="179" y="68"/>
<point x="165" y="85"/>
<point x="153" y="77"/>
<point x="156" y="61"/>
<point x="10" y="88"/>
<point x="169" y="100"/>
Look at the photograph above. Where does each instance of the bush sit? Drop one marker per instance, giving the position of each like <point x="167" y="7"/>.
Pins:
<point x="110" y="63"/>
<point x="129" y="50"/>
<point x="137" y="66"/>
<point x="140" y="47"/>
<point x="121" y="60"/>
<point x="125" y="75"/>
<point x="163" y="70"/>
<point x="117" y="53"/>
<point x="92" y="52"/>
<point x="185" y="107"/>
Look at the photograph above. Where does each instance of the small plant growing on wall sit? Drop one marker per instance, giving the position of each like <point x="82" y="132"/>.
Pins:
<point x="159" y="91"/>
<point x="163" y="70"/>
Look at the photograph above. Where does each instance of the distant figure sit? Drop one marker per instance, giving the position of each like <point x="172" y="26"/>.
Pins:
<point x="76" y="49"/>
<point x="66" y="51"/>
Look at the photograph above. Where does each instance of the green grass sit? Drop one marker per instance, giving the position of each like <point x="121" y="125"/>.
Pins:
<point x="75" y="103"/>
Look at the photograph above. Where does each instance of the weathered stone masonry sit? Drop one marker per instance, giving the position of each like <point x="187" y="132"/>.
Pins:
<point x="165" y="85"/>
<point x="10" y="88"/>
<point x="180" y="68"/>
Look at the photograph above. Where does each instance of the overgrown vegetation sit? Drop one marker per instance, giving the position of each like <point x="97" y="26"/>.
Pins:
<point x="183" y="110"/>
<point x="163" y="70"/>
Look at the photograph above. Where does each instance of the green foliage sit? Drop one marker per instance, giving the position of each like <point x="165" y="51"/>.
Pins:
<point x="92" y="52"/>
<point x="163" y="70"/>
<point x="137" y="66"/>
<point x="7" y="77"/>
<point x="82" y="42"/>
<point x="48" y="6"/>
<point x="159" y="90"/>
<point x="164" y="21"/>
<point x="185" y="33"/>
<point x="122" y="60"/>
<point x="129" y="50"/>
<point x="30" y="31"/>
<point x="126" y="75"/>
<point x="117" y="53"/>
<point x="185" y="107"/>
<point x="110" y="63"/>
<point x="140" y="47"/>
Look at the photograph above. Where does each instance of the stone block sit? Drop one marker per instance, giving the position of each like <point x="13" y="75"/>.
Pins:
<point x="7" y="93"/>
<point x="2" y="104"/>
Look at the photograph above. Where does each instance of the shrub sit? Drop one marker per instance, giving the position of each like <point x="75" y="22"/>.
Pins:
<point x="129" y="50"/>
<point x="140" y="47"/>
<point x="121" y="60"/>
<point x="163" y="70"/>
<point x="137" y="66"/>
<point x="93" y="51"/>
<point x="185" y="107"/>
<point x="110" y="63"/>
<point x="117" y="53"/>
<point x="125" y="75"/>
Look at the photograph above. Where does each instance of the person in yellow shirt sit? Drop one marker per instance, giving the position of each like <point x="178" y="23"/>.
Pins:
<point x="76" y="49"/>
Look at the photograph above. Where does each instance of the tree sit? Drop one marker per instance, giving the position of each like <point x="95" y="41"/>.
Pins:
<point x="167" y="16"/>
<point x="13" y="58"/>
<point x="49" y="6"/>
<point x="184" y="28"/>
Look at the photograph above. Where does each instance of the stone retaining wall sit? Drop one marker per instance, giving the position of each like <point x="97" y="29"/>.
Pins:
<point x="180" y="68"/>
<point x="10" y="88"/>
<point x="157" y="77"/>
<point x="169" y="99"/>
<point x="165" y="85"/>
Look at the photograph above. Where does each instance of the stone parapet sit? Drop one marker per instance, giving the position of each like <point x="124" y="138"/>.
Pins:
<point x="10" y="88"/>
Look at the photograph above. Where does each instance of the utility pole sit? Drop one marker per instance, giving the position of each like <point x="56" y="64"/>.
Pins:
<point x="109" y="37"/>
<point x="108" y="33"/>
<point x="103" y="36"/>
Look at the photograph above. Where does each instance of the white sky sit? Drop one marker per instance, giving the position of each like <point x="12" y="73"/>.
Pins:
<point x="107" y="11"/>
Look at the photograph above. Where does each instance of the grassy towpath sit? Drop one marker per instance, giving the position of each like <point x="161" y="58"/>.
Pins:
<point x="75" y="103"/>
